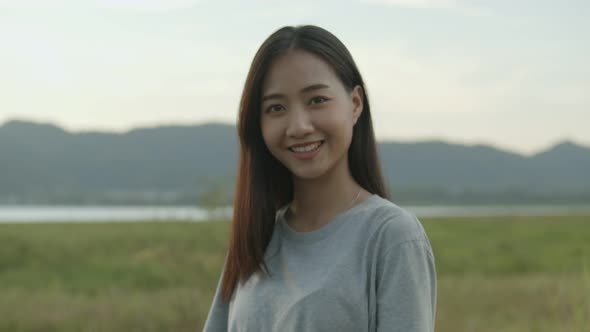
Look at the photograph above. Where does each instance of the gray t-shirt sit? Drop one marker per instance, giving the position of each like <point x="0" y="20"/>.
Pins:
<point x="370" y="268"/>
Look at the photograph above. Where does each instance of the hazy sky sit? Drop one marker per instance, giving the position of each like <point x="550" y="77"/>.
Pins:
<point x="511" y="73"/>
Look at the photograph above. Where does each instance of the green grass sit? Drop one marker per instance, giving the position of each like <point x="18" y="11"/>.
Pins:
<point x="494" y="274"/>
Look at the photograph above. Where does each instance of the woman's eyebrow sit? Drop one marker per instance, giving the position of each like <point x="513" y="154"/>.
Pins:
<point x="314" y="87"/>
<point x="304" y="90"/>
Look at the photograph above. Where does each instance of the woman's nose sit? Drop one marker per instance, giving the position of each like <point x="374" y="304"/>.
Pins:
<point x="300" y="123"/>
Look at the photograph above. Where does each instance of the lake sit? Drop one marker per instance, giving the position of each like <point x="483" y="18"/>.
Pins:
<point x="39" y="213"/>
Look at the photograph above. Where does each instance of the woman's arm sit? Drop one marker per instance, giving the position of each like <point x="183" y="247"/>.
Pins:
<point x="406" y="288"/>
<point x="218" y="313"/>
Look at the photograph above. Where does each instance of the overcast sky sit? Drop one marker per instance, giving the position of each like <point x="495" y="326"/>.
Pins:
<point x="510" y="73"/>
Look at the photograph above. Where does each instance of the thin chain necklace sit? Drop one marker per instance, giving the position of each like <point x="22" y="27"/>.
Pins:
<point x="355" y="198"/>
<point x="288" y="212"/>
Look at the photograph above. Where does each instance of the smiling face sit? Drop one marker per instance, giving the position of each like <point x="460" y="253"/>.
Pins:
<point x="307" y="115"/>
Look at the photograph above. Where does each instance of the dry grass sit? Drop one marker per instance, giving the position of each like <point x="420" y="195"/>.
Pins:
<point x="495" y="274"/>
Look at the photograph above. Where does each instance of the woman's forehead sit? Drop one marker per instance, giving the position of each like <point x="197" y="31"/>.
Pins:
<point x="296" y="70"/>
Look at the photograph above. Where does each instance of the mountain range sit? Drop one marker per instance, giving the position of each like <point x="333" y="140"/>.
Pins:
<point x="44" y="164"/>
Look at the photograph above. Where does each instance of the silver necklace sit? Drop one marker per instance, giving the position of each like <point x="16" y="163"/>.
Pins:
<point x="354" y="200"/>
<point x="288" y="211"/>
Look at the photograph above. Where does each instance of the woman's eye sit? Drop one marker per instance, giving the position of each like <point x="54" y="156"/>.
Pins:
<point x="317" y="100"/>
<point x="275" y="108"/>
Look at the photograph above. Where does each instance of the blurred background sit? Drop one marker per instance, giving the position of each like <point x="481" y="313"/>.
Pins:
<point x="118" y="152"/>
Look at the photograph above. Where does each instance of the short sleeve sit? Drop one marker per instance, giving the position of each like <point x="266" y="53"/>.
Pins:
<point x="406" y="288"/>
<point x="218" y="313"/>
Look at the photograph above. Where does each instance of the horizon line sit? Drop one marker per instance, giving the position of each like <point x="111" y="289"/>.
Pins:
<point x="425" y="139"/>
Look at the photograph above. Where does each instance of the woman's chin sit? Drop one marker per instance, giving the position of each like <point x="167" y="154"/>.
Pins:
<point x="307" y="175"/>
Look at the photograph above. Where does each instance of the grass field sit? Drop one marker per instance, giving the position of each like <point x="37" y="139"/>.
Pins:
<point x="494" y="274"/>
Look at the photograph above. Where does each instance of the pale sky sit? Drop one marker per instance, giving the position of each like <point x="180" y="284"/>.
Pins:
<point x="510" y="73"/>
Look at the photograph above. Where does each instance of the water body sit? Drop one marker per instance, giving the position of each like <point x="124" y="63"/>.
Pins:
<point x="82" y="214"/>
<point x="33" y="213"/>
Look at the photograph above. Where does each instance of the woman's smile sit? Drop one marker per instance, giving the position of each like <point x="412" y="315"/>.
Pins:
<point x="306" y="150"/>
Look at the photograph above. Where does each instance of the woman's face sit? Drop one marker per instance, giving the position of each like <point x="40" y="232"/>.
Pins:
<point x="307" y="116"/>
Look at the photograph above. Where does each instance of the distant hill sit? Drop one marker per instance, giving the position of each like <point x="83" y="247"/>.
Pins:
<point x="42" y="163"/>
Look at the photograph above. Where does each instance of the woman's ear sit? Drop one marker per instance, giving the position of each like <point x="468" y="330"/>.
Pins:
<point x="358" y="95"/>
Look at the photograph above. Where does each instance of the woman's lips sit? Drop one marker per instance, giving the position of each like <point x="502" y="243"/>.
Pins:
<point x="306" y="151"/>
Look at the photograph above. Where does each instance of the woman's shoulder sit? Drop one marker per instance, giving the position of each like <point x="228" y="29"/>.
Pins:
<point x="392" y="224"/>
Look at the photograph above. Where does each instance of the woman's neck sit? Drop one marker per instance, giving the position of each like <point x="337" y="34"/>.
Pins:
<point x="317" y="201"/>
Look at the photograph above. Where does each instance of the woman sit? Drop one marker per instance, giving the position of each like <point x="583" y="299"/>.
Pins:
<point x="315" y="245"/>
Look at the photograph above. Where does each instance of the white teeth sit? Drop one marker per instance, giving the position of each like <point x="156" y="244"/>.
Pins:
<point x="306" y="148"/>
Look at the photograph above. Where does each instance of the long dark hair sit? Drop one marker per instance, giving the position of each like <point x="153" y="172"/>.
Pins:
<point x="263" y="183"/>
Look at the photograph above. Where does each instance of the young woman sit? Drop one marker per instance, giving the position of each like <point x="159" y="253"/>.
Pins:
<point x="315" y="245"/>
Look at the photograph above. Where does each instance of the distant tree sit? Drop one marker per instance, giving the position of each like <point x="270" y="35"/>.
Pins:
<point x="214" y="197"/>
